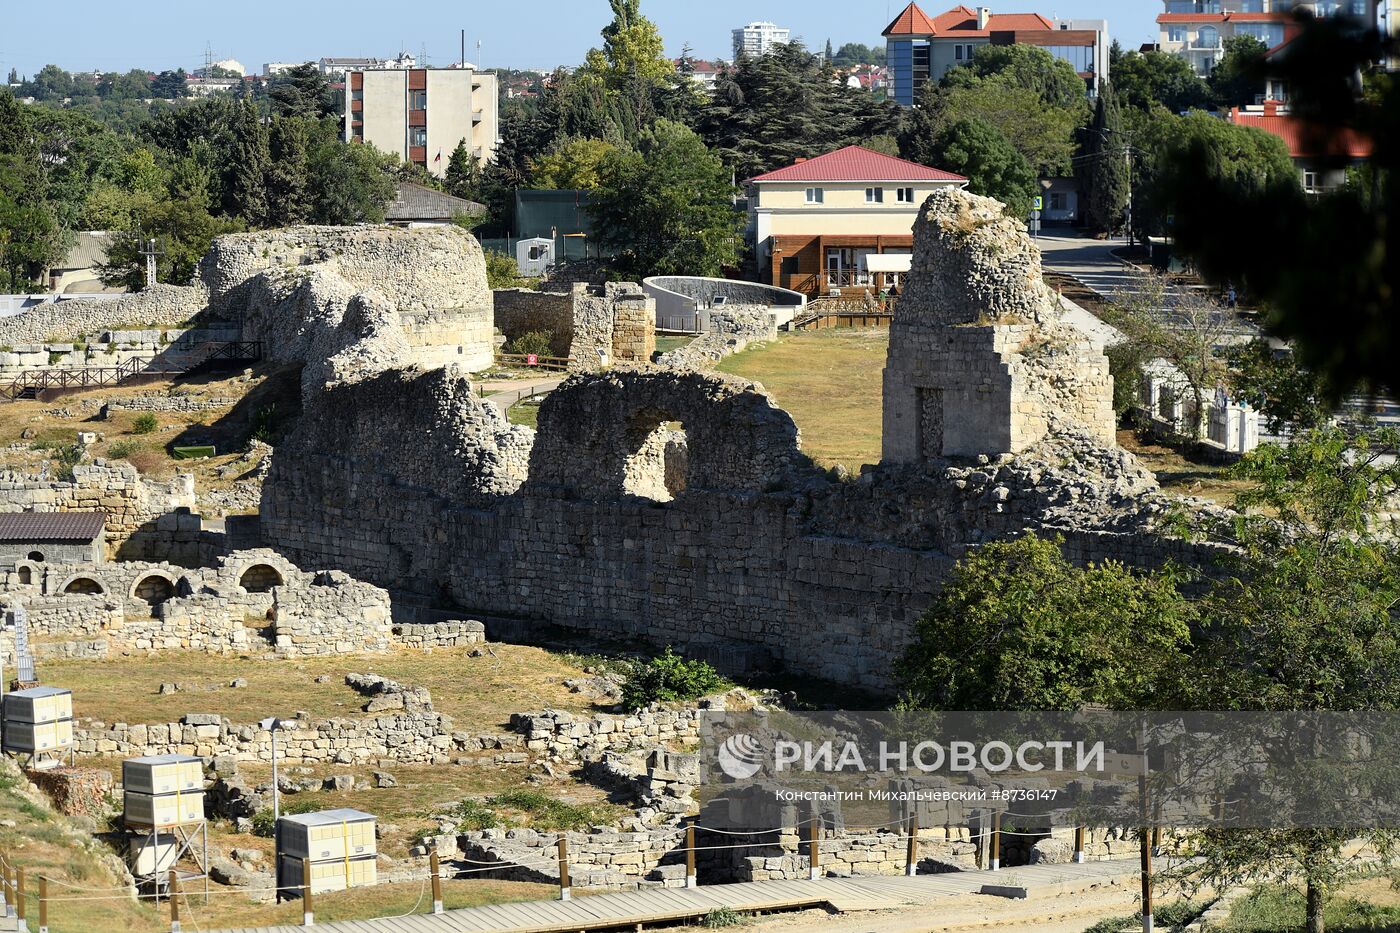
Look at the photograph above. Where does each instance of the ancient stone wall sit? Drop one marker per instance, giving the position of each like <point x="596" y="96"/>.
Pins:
<point x="731" y="330"/>
<point x="612" y="325"/>
<point x="522" y="310"/>
<point x="979" y="361"/>
<point x="67" y="320"/>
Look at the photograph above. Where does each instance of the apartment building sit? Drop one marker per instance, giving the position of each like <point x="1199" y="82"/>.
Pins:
<point x="1196" y="30"/>
<point x="759" y="38"/>
<point x="922" y="48"/>
<point x="844" y="220"/>
<point x="421" y="114"/>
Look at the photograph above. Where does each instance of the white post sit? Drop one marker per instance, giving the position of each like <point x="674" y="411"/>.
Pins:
<point x="276" y="793"/>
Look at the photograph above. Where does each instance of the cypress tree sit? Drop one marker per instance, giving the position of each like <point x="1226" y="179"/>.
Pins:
<point x="288" y="202"/>
<point x="1104" y="179"/>
<point x="246" y="194"/>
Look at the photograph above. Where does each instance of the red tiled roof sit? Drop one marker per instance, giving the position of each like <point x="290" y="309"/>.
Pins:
<point x="856" y="163"/>
<point x="1301" y="144"/>
<point x="51" y="526"/>
<point x="961" y="22"/>
<point x="912" y="22"/>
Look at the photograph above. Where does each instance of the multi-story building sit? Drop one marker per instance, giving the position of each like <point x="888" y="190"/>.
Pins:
<point x="340" y="66"/>
<point x="1196" y="30"/>
<point x="816" y="223"/>
<point x="758" y="39"/>
<point x="921" y="48"/>
<point x="421" y="114"/>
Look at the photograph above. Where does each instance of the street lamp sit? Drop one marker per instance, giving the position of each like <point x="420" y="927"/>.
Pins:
<point x="272" y="724"/>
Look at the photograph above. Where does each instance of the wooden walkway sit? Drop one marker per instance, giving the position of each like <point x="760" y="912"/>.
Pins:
<point x="678" y="905"/>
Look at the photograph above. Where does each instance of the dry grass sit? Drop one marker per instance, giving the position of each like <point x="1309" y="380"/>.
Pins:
<point x="830" y="382"/>
<point x="478" y="693"/>
<point x="1181" y="476"/>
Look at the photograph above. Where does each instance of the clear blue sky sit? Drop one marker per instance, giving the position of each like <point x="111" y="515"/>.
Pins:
<point x="112" y="35"/>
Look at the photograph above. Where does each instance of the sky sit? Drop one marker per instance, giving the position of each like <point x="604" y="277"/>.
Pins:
<point x="111" y="35"/>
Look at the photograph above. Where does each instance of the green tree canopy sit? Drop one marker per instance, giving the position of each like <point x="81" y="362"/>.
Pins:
<point x="1053" y="80"/>
<point x="574" y="163"/>
<point x="1018" y="627"/>
<point x="632" y="48"/>
<point x="667" y="206"/>
<point x="1144" y="79"/>
<point x="301" y="92"/>
<point x="1103" y="167"/>
<point x="1238" y="78"/>
<point x="987" y="159"/>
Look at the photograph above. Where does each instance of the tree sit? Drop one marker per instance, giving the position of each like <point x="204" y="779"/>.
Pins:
<point x="49" y="83"/>
<point x="1018" y="627"/>
<point x="1103" y="167"/>
<point x="856" y="53"/>
<point x="30" y="236"/>
<point x="983" y="155"/>
<point x="246" y="192"/>
<point x="170" y="85"/>
<point x="1142" y="80"/>
<point x="574" y="164"/>
<point x="1291" y="396"/>
<point x="1304" y="621"/>
<point x="632" y="47"/>
<point x="770" y="110"/>
<point x="1238" y="78"/>
<point x="1339" y="313"/>
<point x="827" y="54"/>
<point x="134" y="85"/>
<point x="667" y="206"/>
<point x="1182" y="327"/>
<point x="463" y="177"/>
<point x="14" y="77"/>
<point x="183" y="229"/>
<point x="350" y="184"/>
<point x="288" y="201"/>
<point x="1053" y="80"/>
<point x="301" y="92"/>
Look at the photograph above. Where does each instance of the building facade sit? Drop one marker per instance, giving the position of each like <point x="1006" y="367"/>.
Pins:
<point x="921" y="49"/>
<point x="1196" y="30"/>
<point x="758" y="39"/>
<point x="1322" y="158"/>
<point x="816" y="223"/>
<point x="421" y="114"/>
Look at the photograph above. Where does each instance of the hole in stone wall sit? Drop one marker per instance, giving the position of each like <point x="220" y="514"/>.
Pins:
<point x="26" y="576"/>
<point x="657" y="459"/>
<point x="36" y="556"/>
<point x="154" y="589"/>
<point x="260" y="578"/>
<point x="83" y="586"/>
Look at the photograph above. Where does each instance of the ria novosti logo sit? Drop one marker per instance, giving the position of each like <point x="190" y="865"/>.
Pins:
<point x="740" y="756"/>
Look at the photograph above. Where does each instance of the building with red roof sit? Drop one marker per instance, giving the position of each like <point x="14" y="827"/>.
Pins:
<point x="1322" y="156"/>
<point x="922" y="48"/>
<point x="1196" y="30"/>
<point x="816" y="223"/>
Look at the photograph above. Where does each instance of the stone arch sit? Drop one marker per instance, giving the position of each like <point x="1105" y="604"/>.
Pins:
<point x="260" y="578"/>
<point x="593" y="429"/>
<point x="154" y="588"/>
<point x="82" y="585"/>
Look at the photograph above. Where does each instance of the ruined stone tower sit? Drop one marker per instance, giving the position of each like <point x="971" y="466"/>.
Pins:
<point x="979" y="361"/>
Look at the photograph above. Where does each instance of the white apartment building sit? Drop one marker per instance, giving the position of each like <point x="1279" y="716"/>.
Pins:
<point x="421" y="114"/>
<point x="759" y="38"/>
<point x="1197" y="29"/>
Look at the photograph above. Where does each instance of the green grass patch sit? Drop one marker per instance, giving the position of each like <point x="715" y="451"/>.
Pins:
<point x="527" y="808"/>
<point x="525" y="412"/>
<point x="1275" y="909"/>
<point x="145" y="424"/>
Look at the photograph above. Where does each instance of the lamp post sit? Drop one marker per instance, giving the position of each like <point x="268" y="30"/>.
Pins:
<point x="272" y="724"/>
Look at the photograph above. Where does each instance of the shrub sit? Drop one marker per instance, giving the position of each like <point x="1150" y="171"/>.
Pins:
<point x="265" y="824"/>
<point x="120" y="450"/>
<point x="547" y="812"/>
<point x="533" y="341"/>
<point x="669" y="677"/>
<point x="474" y="815"/>
<point x="145" y="424"/>
<point x="67" y="458"/>
<point x="723" y="917"/>
<point x="501" y="271"/>
<point x="264" y="420"/>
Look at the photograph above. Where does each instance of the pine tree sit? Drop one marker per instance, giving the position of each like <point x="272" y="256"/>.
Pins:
<point x="1104" y="177"/>
<point x="246" y="192"/>
<point x="14" y="76"/>
<point x="829" y="54"/>
<point x="288" y="202"/>
<point x="463" y="176"/>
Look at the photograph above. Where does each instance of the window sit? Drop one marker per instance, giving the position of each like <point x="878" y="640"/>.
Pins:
<point x="874" y="195"/>
<point x="1058" y="201"/>
<point x="417" y="100"/>
<point x="1176" y="33"/>
<point x="815" y="195"/>
<point x="963" y="51"/>
<point x="1310" y="182"/>
<point x="36" y="556"/>
<point x="904" y="195"/>
<point x="417" y="135"/>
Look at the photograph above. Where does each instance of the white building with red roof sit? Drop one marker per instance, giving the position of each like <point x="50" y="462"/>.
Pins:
<point x="816" y="223"/>
<point x="1321" y="155"/>
<point x="1196" y="30"/>
<point x="922" y="48"/>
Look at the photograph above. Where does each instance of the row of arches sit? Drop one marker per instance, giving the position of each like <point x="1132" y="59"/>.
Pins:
<point x="156" y="587"/>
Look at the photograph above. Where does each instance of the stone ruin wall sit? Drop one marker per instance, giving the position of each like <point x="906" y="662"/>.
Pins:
<point x="617" y="318"/>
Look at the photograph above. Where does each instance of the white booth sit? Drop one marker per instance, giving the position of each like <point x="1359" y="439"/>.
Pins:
<point x="534" y="257"/>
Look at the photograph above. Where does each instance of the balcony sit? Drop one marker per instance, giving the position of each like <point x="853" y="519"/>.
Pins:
<point x="1206" y="45"/>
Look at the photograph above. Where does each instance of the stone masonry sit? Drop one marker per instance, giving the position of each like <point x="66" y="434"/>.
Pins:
<point x="979" y="362"/>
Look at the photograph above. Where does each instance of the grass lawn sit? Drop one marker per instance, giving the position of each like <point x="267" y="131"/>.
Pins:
<point x="830" y="382"/>
<point x="1181" y="476"/>
<point x="479" y="693"/>
<point x="667" y="344"/>
<point x="525" y="412"/>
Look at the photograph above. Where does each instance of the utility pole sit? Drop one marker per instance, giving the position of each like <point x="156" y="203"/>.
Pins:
<point x="1128" y="159"/>
<point x="462" y="62"/>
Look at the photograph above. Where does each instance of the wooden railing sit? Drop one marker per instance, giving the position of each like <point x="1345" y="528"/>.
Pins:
<point x="33" y="382"/>
<point x="535" y="361"/>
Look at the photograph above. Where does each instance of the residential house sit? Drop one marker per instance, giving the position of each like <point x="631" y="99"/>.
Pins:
<point x="757" y="39"/>
<point x="1322" y="157"/>
<point x="702" y="73"/>
<point x="816" y="223"/>
<point x="417" y="206"/>
<point x="79" y="271"/>
<point x="1196" y="30"/>
<point x="921" y="49"/>
<point x="421" y="114"/>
